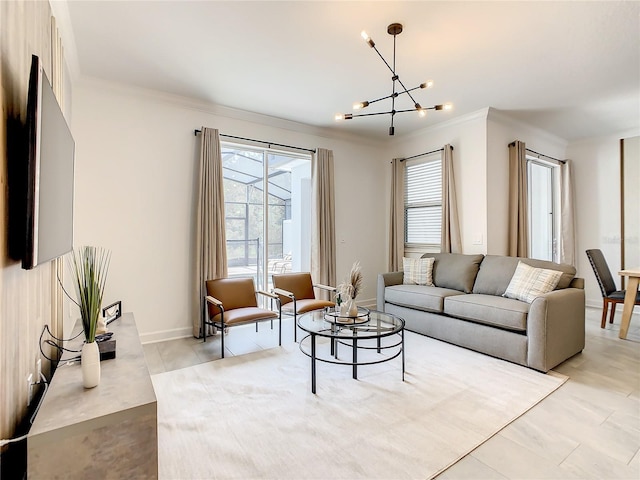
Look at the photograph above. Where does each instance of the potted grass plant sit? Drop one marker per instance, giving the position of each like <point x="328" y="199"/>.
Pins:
<point x="89" y="267"/>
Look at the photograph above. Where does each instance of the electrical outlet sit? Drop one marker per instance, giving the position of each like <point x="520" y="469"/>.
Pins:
<point x="29" y="388"/>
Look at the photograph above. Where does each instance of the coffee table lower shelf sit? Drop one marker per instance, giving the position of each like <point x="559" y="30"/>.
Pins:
<point x="358" y="337"/>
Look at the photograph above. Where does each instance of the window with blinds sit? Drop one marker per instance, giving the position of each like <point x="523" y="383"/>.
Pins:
<point x="423" y="202"/>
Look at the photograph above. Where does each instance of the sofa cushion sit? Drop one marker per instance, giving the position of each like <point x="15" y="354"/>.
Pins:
<point x="490" y="310"/>
<point x="455" y="270"/>
<point x="417" y="271"/>
<point x="420" y="297"/>
<point x="530" y="282"/>
<point x="496" y="272"/>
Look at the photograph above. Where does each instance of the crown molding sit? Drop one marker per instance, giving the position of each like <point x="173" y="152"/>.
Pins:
<point x="615" y="137"/>
<point x="211" y="108"/>
<point x="459" y="120"/>
<point x="503" y="118"/>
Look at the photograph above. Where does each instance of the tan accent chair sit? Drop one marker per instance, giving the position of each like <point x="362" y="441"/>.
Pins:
<point x="296" y="293"/>
<point x="232" y="301"/>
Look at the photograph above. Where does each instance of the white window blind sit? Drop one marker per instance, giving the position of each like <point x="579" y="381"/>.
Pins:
<point x="423" y="202"/>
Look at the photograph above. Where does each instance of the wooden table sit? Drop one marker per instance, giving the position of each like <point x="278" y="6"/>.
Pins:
<point x="629" y="298"/>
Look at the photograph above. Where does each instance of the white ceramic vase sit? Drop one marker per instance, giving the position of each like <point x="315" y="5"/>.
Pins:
<point x="344" y="307"/>
<point x="353" y="308"/>
<point x="90" y="363"/>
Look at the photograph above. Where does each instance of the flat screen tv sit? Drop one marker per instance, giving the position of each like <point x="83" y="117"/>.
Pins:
<point x="49" y="176"/>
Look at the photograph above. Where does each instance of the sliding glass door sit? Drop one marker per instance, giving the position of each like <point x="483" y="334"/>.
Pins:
<point x="267" y="205"/>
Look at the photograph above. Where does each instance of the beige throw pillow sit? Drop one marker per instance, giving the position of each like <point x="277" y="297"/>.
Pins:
<point x="528" y="282"/>
<point x="418" y="271"/>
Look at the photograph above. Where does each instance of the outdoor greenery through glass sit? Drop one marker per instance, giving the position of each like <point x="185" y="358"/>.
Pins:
<point x="247" y="172"/>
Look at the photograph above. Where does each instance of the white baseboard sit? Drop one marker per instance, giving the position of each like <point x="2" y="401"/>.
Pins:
<point x="164" y="335"/>
<point x="185" y="332"/>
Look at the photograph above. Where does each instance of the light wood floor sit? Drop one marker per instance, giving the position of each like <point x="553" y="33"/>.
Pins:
<point x="587" y="429"/>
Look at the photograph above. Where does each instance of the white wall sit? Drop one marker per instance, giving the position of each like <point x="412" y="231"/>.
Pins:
<point x="135" y="194"/>
<point x="468" y="137"/>
<point x="597" y="184"/>
<point x="501" y="131"/>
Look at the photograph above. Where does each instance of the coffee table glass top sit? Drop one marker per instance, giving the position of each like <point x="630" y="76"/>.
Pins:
<point x="368" y="324"/>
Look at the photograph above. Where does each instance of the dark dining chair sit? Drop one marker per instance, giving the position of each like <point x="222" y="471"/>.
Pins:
<point x="610" y="294"/>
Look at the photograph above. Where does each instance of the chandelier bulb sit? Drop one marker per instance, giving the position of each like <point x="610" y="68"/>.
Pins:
<point x="448" y="106"/>
<point x="360" y="105"/>
<point x="427" y="84"/>
<point x="344" y="116"/>
<point x="367" y="39"/>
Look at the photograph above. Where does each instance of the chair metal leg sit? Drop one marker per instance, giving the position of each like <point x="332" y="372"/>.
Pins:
<point x="204" y="320"/>
<point x="279" y="327"/>
<point x="295" y="321"/>
<point x="605" y="307"/>
<point x="222" y="332"/>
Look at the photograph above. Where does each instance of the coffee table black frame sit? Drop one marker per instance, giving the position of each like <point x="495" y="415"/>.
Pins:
<point x="350" y="331"/>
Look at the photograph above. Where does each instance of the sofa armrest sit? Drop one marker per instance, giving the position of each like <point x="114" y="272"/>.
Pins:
<point x="385" y="280"/>
<point x="577" y="282"/>
<point x="555" y="327"/>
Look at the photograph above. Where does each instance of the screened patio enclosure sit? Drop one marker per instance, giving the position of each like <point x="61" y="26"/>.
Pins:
<point x="267" y="212"/>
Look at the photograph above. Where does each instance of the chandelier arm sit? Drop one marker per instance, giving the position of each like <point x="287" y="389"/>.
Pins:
<point x="416" y="109"/>
<point x="398" y="94"/>
<point x="385" y="62"/>
<point x="378" y="99"/>
<point x="411" y="110"/>
<point x="371" y="114"/>
<point x="407" y="91"/>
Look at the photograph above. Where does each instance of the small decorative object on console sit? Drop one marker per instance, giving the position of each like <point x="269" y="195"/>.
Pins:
<point x="112" y="312"/>
<point x="89" y="267"/>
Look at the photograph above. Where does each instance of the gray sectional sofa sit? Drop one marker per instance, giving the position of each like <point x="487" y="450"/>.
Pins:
<point x="466" y="307"/>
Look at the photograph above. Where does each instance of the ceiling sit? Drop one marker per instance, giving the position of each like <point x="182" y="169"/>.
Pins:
<point x="571" y="68"/>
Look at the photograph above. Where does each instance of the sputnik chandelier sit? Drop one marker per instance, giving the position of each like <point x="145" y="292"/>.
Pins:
<point x="394" y="29"/>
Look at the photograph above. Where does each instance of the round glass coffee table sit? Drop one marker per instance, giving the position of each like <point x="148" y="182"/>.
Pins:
<point x="368" y="330"/>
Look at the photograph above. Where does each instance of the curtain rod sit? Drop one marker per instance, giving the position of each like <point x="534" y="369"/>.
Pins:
<point x="540" y="154"/>
<point x="422" y="154"/>
<point x="196" y="132"/>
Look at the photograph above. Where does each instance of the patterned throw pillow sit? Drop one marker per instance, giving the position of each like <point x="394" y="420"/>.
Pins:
<point x="528" y="282"/>
<point x="418" y="271"/>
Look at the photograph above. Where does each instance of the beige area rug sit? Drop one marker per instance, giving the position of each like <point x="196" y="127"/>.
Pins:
<point x="254" y="416"/>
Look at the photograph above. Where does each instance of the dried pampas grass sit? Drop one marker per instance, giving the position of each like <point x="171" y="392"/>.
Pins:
<point x="353" y="286"/>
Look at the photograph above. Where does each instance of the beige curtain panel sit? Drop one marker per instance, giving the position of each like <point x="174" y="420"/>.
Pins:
<point x="451" y="241"/>
<point x="323" y="213"/>
<point x="567" y="215"/>
<point x="518" y="200"/>
<point x="396" y="221"/>
<point x="211" y="242"/>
